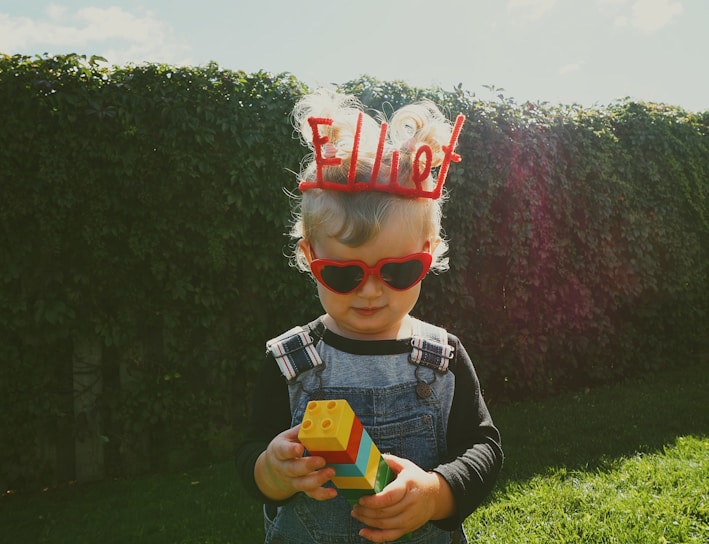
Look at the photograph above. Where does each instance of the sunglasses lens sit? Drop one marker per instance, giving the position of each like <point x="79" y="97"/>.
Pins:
<point x="342" y="279"/>
<point x="402" y="275"/>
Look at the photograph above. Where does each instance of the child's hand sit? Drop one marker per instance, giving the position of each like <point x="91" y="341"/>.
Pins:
<point x="412" y="499"/>
<point x="281" y="471"/>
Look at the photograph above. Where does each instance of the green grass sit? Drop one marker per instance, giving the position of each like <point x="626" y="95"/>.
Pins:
<point x="627" y="463"/>
<point x="657" y="498"/>
<point x="204" y="506"/>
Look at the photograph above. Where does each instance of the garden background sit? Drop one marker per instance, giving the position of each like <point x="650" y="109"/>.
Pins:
<point x="142" y="253"/>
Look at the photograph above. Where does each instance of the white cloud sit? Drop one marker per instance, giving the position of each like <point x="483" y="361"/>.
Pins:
<point x="115" y="33"/>
<point x="651" y="15"/>
<point x="621" y="21"/>
<point x="610" y="5"/>
<point x="530" y="9"/>
<point x="570" y="68"/>
<point x="647" y="16"/>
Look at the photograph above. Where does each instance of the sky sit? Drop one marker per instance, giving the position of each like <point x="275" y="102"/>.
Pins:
<point x="587" y="52"/>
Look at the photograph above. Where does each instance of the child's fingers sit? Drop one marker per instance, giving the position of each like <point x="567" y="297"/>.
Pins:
<point x="311" y="466"/>
<point x="322" y="493"/>
<point x="312" y="483"/>
<point x="286" y="445"/>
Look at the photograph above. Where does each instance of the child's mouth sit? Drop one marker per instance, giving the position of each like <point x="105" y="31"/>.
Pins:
<point x="366" y="311"/>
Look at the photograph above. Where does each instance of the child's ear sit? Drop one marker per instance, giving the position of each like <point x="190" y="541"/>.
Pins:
<point x="433" y="244"/>
<point x="307" y="252"/>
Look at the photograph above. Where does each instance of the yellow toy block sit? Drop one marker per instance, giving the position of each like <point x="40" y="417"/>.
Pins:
<point x="327" y="425"/>
<point x="362" y="482"/>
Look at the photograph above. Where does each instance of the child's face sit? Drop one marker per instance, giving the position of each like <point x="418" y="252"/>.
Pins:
<point x="373" y="311"/>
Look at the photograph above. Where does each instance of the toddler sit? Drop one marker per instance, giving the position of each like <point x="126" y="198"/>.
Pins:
<point x="368" y="229"/>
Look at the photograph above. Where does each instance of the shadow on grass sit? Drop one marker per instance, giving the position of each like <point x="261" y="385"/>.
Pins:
<point x="207" y="505"/>
<point x="592" y="429"/>
<point x="200" y="506"/>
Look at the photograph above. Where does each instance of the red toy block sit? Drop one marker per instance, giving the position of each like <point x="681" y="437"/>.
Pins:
<point x="348" y="456"/>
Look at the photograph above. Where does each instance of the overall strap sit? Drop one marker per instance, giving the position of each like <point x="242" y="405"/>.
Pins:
<point x="294" y="350"/>
<point x="430" y="348"/>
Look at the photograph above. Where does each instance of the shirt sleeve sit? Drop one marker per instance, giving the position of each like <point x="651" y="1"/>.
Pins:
<point x="474" y="447"/>
<point x="270" y="415"/>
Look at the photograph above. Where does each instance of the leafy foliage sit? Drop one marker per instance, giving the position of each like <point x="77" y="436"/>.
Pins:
<point x="571" y="264"/>
<point x="142" y="221"/>
<point x="144" y="209"/>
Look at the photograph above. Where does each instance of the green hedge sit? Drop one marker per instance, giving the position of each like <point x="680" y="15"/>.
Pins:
<point x="143" y="219"/>
<point x="580" y="243"/>
<point x="579" y="239"/>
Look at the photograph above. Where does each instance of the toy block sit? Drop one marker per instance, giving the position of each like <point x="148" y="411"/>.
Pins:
<point x="353" y="495"/>
<point x="365" y="481"/>
<point x="359" y="467"/>
<point x="384" y="477"/>
<point x="331" y="430"/>
<point x="327" y="426"/>
<point x="349" y="455"/>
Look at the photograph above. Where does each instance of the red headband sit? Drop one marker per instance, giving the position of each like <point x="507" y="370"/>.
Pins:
<point x="352" y="186"/>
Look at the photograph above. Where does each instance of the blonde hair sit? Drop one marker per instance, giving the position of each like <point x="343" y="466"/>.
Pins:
<point x="355" y="218"/>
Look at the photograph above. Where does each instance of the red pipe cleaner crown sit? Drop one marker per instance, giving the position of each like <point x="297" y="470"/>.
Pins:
<point x="325" y="157"/>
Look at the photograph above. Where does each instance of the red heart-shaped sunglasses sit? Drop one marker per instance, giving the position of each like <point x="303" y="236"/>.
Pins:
<point x="343" y="277"/>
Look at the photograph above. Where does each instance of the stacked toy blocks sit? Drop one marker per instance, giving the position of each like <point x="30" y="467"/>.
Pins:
<point x="331" y="430"/>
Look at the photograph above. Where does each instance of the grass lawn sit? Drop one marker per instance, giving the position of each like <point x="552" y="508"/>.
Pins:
<point x="627" y="463"/>
<point x="621" y="464"/>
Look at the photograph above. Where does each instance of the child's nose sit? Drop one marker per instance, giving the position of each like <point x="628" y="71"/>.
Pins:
<point x="372" y="286"/>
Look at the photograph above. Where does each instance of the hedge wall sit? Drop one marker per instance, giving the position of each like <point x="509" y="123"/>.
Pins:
<point x="142" y="241"/>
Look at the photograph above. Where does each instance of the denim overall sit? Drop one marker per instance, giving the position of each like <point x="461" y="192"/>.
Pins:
<point x="405" y="413"/>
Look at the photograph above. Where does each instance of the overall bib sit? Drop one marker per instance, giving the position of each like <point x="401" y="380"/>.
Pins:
<point x="405" y="413"/>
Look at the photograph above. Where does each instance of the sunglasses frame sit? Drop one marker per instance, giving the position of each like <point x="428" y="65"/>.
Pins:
<point x="317" y="266"/>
